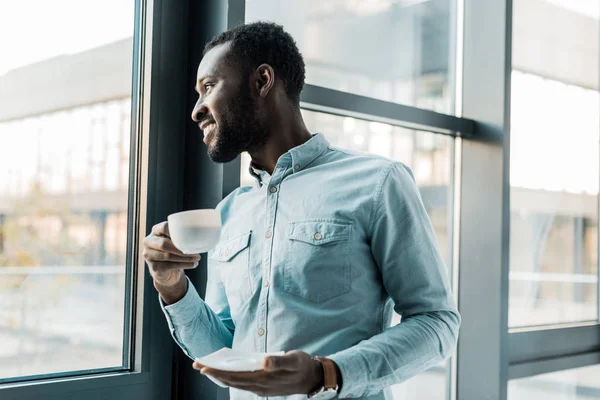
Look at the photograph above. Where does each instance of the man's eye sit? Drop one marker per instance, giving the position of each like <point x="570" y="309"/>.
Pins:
<point x="207" y="86"/>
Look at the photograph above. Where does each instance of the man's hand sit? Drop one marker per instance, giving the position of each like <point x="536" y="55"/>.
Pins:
<point x="293" y="373"/>
<point x="166" y="263"/>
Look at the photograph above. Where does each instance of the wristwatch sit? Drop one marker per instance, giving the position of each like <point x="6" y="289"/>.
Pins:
<point x="330" y="383"/>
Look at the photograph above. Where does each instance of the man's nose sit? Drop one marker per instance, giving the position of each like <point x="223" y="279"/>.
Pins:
<point x="199" y="111"/>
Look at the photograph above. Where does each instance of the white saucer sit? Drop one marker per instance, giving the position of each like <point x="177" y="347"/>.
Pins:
<point x="227" y="359"/>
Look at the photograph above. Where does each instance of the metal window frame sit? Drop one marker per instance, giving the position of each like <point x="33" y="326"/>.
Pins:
<point x="535" y="351"/>
<point x="322" y="99"/>
<point x="483" y="281"/>
<point x="598" y="229"/>
<point x="205" y="183"/>
<point x="236" y="15"/>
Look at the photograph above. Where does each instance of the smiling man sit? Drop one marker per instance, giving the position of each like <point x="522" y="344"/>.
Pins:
<point x="315" y="257"/>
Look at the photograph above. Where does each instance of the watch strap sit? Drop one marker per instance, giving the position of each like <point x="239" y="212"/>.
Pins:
<point x="329" y="373"/>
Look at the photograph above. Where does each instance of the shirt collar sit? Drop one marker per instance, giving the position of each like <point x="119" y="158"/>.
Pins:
<point x="262" y="177"/>
<point x="299" y="158"/>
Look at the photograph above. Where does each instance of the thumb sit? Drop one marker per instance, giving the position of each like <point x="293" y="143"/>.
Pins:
<point x="273" y="363"/>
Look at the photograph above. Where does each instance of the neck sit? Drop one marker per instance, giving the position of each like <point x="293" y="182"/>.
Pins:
<point x="286" y="131"/>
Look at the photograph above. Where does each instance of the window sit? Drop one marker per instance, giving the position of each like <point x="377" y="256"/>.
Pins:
<point x="65" y="113"/>
<point x="573" y="384"/>
<point x="554" y="163"/>
<point x="412" y="62"/>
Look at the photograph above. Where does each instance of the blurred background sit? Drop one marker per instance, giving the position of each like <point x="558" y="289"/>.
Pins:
<point x="65" y="134"/>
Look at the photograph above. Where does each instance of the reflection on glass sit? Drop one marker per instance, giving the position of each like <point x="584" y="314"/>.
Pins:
<point x="554" y="164"/>
<point x="573" y="384"/>
<point x="429" y="157"/>
<point x="64" y="171"/>
<point x="401" y="51"/>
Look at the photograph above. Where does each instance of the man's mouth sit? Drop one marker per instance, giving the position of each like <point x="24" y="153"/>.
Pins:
<point x="208" y="129"/>
<point x="204" y="124"/>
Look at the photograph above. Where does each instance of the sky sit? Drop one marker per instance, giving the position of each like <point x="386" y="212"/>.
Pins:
<point x="35" y="30"/>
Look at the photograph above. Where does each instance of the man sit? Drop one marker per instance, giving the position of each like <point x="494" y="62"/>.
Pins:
<point x="314" y="258"/>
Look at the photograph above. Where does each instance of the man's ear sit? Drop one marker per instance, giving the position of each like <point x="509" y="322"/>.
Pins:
<point x="265" y="79"/>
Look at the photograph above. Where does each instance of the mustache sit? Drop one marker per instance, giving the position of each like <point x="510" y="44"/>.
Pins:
<point x="208" y="120"/>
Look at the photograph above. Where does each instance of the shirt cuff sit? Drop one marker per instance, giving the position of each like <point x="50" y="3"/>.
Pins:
<point x="185" y="311"/>
<point x="353" y="373"/>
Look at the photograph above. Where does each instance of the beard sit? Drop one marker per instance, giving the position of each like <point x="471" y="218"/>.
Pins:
<point x="241" y="129"/>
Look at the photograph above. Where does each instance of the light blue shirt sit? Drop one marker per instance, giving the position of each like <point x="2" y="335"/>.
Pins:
<point x="315" y="258"/>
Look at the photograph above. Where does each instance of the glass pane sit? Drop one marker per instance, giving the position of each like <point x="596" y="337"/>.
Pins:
<point x="395" y="50"/>
<point x="573" y="384"/>
<point x="430" y="158"/>
<point x="554" y="163"/>
<point x="64" y="160"/>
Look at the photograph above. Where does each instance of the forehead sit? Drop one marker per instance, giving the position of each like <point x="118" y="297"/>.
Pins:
<point x="216" y="63"/>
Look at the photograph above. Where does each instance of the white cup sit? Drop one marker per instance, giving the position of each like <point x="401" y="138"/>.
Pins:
<point x="195" y="231"/>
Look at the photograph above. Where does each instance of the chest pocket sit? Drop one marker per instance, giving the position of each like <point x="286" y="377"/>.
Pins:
<point x="318" y="266"/>
<point x="233" y="261"/>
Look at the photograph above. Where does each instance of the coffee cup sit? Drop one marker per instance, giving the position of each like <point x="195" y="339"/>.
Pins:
<point x="195" y="231"/>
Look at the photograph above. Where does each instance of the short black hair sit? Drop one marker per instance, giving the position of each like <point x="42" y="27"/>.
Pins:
<point x="266" y="42"/>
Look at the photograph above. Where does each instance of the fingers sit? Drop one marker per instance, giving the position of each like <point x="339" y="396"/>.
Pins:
<point x="161" y="229"/>
<point x="287" y="362"/>
<point x="256" y="379"/>
<point x="263" y="383"/>
<point x="196" y="365"/>
<point x="167" y="266"/>
<point x="163" y="244"/>
<point x="153" y="255"/>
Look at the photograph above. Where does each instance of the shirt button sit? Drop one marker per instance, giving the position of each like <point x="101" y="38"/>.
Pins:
<point x="297" y="167"/>
<point x="266" y="283"/>
<point x="273" y="189"/>
<point x="318" y="236"/>
<point x="268" y="234"/>
<point x="261" y="332"/>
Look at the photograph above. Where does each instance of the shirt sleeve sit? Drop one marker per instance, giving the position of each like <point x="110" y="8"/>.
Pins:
<point x="405" y="249"/>
<point x="201" y="327"/>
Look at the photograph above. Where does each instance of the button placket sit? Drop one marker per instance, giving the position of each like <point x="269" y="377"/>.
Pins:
<point x="272" y="196"/>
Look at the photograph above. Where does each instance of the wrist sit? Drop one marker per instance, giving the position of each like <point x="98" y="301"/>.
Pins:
<point x="172" y="293"/>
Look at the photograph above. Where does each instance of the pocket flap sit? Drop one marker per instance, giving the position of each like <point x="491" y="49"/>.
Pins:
<point x="319" y="231"/>
<point x="229" y="248"/>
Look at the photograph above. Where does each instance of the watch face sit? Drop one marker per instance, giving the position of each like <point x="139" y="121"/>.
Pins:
<point x="325" y="395"/>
